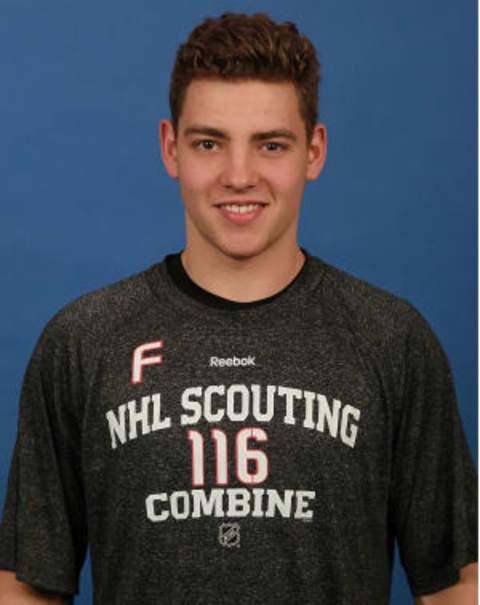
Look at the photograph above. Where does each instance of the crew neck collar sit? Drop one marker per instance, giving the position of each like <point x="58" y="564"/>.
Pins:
<point x="172" y="285"/>
<point x="184" y="282"/>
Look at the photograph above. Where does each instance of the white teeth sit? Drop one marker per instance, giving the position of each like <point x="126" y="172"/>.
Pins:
<point x="241" y="209"/>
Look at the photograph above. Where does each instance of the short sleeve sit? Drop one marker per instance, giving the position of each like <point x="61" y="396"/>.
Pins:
<point x="43" y="535"/>
<point x="433" y="496"/>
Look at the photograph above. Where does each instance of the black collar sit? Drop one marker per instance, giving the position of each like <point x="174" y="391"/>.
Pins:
<point x="181" y="278"/>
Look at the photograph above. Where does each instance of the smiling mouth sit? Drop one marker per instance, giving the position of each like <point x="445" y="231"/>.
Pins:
<point x="241" y="213"/>
<point x="242" y="207"/>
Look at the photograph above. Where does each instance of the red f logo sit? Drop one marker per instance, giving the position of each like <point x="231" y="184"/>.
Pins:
<point x="139" y="361"/>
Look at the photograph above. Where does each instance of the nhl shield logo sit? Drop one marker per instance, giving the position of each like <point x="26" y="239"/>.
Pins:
<point x="229" y="535"/>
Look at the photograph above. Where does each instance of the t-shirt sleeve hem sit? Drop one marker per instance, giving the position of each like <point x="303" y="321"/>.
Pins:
<point x="441" y="580"/>
<point x="37" y="580"/>
<point x="62" y="583"/>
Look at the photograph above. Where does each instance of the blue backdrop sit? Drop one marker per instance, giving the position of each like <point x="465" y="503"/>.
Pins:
<point x="85" y="200"/>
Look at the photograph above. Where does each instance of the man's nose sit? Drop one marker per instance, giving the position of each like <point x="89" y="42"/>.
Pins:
<point x="239" y="170"/>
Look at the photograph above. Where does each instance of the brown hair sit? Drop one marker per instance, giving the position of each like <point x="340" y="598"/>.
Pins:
<point x="236" y="46"/>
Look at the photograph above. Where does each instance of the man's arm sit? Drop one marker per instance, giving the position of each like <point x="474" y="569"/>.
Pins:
<point x="19" y="593"/>
<point x="462" y="593"/>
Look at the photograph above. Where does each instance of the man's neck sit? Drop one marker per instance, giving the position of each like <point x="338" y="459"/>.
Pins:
<point x="243" y="280"/>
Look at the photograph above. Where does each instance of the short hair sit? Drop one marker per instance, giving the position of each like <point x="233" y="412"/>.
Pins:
<point x="237" y="46"/>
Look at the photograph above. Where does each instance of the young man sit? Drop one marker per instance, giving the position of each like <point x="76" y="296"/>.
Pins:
<point x="242" y="422"/>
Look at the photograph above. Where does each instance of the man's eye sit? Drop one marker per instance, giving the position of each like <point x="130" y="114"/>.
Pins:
<point x="206" y="144"/>
<point x="272" y="146"/>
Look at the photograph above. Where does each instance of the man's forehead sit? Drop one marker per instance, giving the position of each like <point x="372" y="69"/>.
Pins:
<point x="238" y="85"/>
<point x="254" y="106"/>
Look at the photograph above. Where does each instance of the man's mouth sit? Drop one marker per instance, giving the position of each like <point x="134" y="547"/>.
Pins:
<point x="241" y="207"/>
<point x="241" y="213"/>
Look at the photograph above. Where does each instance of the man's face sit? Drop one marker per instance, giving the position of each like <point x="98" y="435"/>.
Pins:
<point x="238" y="143"/>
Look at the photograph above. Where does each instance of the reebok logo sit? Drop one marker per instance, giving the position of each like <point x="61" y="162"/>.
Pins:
<point x="220" y="362"/>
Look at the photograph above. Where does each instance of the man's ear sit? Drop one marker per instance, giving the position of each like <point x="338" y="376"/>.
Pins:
<point x="168" y="147"/>
<point x="317" y="152"/>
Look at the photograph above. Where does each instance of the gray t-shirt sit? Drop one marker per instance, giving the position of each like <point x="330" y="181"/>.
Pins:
<point x="239" y="453"/>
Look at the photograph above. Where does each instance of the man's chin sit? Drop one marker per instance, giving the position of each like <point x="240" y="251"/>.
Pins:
<point x="242" y="252"/>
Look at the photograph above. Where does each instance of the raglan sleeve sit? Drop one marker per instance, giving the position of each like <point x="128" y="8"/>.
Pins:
<point x="43" y="533"/>
<point x="433" y="495"/>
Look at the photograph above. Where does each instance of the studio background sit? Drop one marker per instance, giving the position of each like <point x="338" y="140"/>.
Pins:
<point x="85" y="200"/>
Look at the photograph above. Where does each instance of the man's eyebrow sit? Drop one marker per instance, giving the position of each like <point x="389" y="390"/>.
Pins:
<point x="278" y="133"/>
<point x="206" y="130"/>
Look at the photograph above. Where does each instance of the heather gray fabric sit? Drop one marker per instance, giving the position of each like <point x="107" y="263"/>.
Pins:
<point x="269" y="454"/>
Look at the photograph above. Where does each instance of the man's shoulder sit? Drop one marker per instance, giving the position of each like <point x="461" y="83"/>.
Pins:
<point x="100" y="311"/>
<point x="365" y="308"/>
